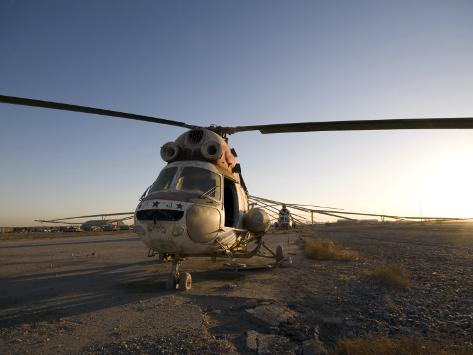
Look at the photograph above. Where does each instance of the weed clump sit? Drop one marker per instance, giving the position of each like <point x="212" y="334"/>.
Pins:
<point x="392" y="275"/>
<point x="322" y="249"/>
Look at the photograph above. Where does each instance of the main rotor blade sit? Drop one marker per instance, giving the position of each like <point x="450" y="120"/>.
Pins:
<point x="341" y="212"/>
<point x="328" y="212"/>
<point x="91" y="110"/>
<point x="359" y="125"/>
<point x="68" y="223"/>
<point x="276" y="203"/>
<point x="88" y="216"/>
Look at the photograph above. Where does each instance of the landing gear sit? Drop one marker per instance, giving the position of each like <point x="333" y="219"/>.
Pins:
<point x="282" y="260"/>
<point x="177" y="279"/>
<point x="279" y="254"/>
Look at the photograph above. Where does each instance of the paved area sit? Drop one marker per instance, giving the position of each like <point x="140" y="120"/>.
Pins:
<point x="69" y="294"/>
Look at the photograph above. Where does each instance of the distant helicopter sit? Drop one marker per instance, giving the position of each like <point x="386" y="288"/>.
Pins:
<point x="199" y="204"/>
<point x="285" y="220"/>
<point x="104" y="224"/>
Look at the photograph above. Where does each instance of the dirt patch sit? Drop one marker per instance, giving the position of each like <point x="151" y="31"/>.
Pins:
<point x="178" y="343"/>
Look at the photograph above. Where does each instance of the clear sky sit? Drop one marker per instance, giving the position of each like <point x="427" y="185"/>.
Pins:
<point x="236" y="63"/>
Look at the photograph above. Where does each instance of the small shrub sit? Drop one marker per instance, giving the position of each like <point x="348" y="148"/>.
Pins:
<point x="373" y="344"/>
<point x="392" y="275"/>
<point x="321" y="249"/>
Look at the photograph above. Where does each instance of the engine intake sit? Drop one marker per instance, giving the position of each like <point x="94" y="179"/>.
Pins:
<point x="170" y="151"/>
<point x="211" y="150"/>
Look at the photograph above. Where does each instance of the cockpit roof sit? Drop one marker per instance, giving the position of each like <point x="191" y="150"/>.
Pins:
<point x="204" y="165"/>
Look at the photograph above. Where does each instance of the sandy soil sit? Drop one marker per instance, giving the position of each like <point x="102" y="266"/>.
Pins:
<point x="102" y="294"/>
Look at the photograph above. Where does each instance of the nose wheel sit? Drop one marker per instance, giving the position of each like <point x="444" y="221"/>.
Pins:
<point x="176" y="279"/>
<point x="185" y="281"/>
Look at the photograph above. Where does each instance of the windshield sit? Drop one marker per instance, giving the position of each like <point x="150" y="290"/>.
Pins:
<point x="164" y="180"/>
<point x="199" y="180"/>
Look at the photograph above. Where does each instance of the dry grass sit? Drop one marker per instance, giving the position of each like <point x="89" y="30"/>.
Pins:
<point x="372" y="344"/>
<point x="322" y="249"/>
<point x="392" y="275"/>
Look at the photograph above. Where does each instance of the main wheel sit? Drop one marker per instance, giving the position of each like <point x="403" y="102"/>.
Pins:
<point x="185" y="281"/>
<point x="171" y="283"/>
<point x="279" y="254"/>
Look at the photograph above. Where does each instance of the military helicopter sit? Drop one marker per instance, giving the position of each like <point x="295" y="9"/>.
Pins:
<point x="103" y="224"/>
<point x="285" y="220"/>
<point x="199" y="203"/>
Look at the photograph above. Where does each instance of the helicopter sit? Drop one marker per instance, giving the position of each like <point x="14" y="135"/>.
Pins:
<point x="199" y="204"/>
<point x="103" y="224"/>
<point x="285" y="220"/>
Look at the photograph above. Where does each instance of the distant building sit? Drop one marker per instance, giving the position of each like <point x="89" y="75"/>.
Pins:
<point x="96" y="224"/>
<point x="346" y="221"/>
<point x="359" y="221"/>
<point x="102" y="225"/>
<point x="369" y="221"/>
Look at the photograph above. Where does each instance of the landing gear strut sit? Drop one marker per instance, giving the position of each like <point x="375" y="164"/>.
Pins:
<point x="177" y="279"/>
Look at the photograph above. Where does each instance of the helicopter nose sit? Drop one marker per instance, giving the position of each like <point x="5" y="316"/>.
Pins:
<point x="203" y="223"/>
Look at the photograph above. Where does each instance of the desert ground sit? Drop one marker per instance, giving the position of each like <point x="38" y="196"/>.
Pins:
<point x="102" y="294"/>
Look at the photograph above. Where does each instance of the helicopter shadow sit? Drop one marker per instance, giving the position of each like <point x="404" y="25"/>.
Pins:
<point x="49" y="296"/>
<point x="157" y="283"/>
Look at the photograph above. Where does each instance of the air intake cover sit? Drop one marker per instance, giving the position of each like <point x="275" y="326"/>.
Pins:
<point x="195" y="136"/>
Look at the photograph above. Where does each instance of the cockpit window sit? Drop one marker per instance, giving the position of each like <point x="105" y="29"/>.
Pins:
<point x="199" y="180"/>
<point x="164" y="180"/>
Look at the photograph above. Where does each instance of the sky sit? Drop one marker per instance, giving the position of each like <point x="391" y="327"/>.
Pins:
<point x="236" y="63"/>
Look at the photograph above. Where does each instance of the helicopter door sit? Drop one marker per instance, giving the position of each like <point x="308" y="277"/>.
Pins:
<point x="230" y="203"/>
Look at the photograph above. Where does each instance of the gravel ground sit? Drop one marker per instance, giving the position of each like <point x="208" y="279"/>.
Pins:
<point x="102" y="295"/>
<point x="437" y="306"/>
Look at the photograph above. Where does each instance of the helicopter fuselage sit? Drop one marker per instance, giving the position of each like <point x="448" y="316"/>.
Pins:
<point x="181" y="218"/>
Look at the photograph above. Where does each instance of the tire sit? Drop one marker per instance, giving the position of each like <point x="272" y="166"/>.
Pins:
<point x="185" y="281"/>
<point x="279" y="254"/>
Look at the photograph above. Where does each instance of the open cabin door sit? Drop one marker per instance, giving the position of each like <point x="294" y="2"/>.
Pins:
<point x="230" y="203"/>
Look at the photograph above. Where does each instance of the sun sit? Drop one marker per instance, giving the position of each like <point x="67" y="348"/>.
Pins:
<point x="447" y="190"/>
